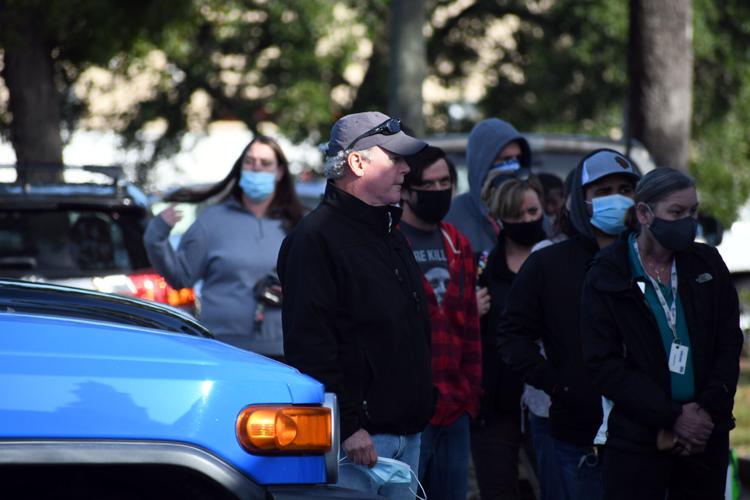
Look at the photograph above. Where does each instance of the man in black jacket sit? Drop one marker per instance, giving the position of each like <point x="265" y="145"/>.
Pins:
<point x="354" y="312"/>
<point x="544" y="303"/>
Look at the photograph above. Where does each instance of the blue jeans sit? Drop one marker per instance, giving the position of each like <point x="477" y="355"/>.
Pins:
<point x="548" y="472"/>
<point x="403" y="448"/>
<point x="444" y="460"/>
<point x="581" y="471"/>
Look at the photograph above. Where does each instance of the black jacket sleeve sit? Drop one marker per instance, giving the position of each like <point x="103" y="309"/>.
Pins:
<point x="521" y="326"/>
<point x="309" y="311"/>
<point x="632" y="391"/>
<point x="717" y="396"/>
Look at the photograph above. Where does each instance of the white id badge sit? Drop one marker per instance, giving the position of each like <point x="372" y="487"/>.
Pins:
<point x="678" y="356"/>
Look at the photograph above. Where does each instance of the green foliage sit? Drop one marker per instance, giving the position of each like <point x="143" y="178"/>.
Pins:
<point x="566" y="71"/>
<point x="721" y="160"/>
<point x="256" y="61"/>
<point x="721" y="115"/>
<point x="564" y="68"/>
<point x="82" y="33"/>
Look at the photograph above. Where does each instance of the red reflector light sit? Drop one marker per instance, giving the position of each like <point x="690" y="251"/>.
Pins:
<point x="151" y="286"/>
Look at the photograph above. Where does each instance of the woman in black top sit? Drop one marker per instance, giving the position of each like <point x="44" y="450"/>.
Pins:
<point x="661" y="338"/>
<point x="496" y="435"/>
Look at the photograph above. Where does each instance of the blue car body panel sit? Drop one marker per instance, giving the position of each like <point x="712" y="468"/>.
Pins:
<point x="64" y="378"/>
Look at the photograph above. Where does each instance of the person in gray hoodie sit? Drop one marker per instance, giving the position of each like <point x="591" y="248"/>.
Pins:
<point x="493" y="143"/>
<point x="232" y="247"/>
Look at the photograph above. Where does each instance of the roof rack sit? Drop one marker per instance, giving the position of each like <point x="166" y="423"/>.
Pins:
<point x="114" y="173"/>
<point x="114" y="184"/>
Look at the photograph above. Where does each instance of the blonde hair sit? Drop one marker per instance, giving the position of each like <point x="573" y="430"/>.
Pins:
<point x="506" y="201"/>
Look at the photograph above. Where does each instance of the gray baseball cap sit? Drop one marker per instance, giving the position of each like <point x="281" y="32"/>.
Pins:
<point x="604" y="162"/>
<point x="360" y="131"/>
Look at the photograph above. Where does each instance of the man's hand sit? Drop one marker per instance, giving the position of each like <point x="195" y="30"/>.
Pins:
<point x="359" y="448"/>
<point x="483" y="301"/>
<point x="171" y="215"/>
<point x="693" y="429"/>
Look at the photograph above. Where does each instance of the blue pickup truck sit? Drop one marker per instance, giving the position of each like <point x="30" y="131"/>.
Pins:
<point x="105" y="396"/>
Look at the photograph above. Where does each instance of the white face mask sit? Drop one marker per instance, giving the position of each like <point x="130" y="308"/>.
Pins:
<point x="391" y="471"/>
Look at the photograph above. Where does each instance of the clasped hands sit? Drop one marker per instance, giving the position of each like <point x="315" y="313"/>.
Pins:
<point x="691" y="430"/>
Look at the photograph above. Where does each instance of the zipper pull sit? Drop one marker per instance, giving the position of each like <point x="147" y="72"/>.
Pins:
<point x="364" y="409"/>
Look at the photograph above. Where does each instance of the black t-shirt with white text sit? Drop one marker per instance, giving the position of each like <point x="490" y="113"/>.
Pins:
<point x="429" y="253"/>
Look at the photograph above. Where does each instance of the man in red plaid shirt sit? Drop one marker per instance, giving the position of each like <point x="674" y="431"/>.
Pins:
<point x="447" y="263"/>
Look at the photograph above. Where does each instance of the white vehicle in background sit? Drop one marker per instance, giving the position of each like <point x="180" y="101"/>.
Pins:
<point x="550" y="153"/>
<point x="735" y="250"/>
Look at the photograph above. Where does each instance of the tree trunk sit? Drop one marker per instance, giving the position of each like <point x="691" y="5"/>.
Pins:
<point x="408" y="63"/>
<point x="661" y="78"/>
<point x="35" y="106"/>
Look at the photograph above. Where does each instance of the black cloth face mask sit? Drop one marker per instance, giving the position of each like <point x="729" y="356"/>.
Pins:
<point x="525" y="233"/>
<point x="675" y="235"/>
<point x="431" y="206"/>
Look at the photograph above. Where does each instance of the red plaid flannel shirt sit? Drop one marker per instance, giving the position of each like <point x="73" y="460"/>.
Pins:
<point x="456" y="343"/>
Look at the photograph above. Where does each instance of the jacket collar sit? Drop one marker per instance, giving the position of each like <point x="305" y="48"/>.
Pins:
<point x="381" y="220"/>
<point x="613" y="266"/>
<point x="614" y="274"/>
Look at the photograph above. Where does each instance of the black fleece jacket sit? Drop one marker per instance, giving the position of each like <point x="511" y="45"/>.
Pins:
<point x="623" y="349"/>
<point x="354" y="314"/>
<point x="545" y="303"/>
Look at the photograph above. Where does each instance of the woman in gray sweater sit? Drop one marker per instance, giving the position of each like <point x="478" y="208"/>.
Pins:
<point x="232" y="246"/>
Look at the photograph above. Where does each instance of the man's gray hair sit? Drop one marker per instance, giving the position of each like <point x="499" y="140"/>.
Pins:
<point x="335" y="166"/>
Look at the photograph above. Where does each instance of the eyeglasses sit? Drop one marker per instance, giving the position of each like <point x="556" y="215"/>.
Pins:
<point x="389" y="127"/>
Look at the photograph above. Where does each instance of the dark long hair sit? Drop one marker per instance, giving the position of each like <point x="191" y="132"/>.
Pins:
<point x="285" y="204"/>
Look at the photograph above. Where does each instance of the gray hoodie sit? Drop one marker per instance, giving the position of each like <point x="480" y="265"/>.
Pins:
<point x="468" y="213"/>
<point x="229" y="249"/>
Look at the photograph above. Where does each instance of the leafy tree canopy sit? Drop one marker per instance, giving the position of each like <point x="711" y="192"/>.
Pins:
<point x="567" y="71"/>
<point x="560" y="66"/>
<point x="82" y="33"/>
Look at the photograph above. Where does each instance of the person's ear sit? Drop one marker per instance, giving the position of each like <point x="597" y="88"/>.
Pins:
<point x="356" y="163"/>
<point x="643" y="214"/>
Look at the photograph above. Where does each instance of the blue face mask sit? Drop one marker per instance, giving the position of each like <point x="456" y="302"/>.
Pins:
<point x="507" y="166"/>
<point x="391" y="471"/>
<point x="609" y="213"/>
<point x="257" y="186"/>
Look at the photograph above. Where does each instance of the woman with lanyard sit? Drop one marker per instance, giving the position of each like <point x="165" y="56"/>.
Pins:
<point x="661" y="337"/>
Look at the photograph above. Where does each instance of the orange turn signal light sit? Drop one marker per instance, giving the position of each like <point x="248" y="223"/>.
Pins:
<point x="272" y="429"/>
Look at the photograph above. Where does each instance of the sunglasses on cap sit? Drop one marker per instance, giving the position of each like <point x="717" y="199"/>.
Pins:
<point x="389" y="127"/>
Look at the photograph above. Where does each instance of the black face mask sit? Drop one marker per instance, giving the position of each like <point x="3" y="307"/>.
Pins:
<point x="431" y="206"/>
<point x="675" y="235"/>
<point x="525" y="233"/>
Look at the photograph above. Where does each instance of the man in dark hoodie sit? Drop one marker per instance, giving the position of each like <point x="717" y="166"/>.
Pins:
<point x="493" y="143"/>
<point x="544" y="303"/>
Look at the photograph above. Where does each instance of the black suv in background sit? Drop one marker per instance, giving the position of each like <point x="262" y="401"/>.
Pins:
<point x="85" y="232"/>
